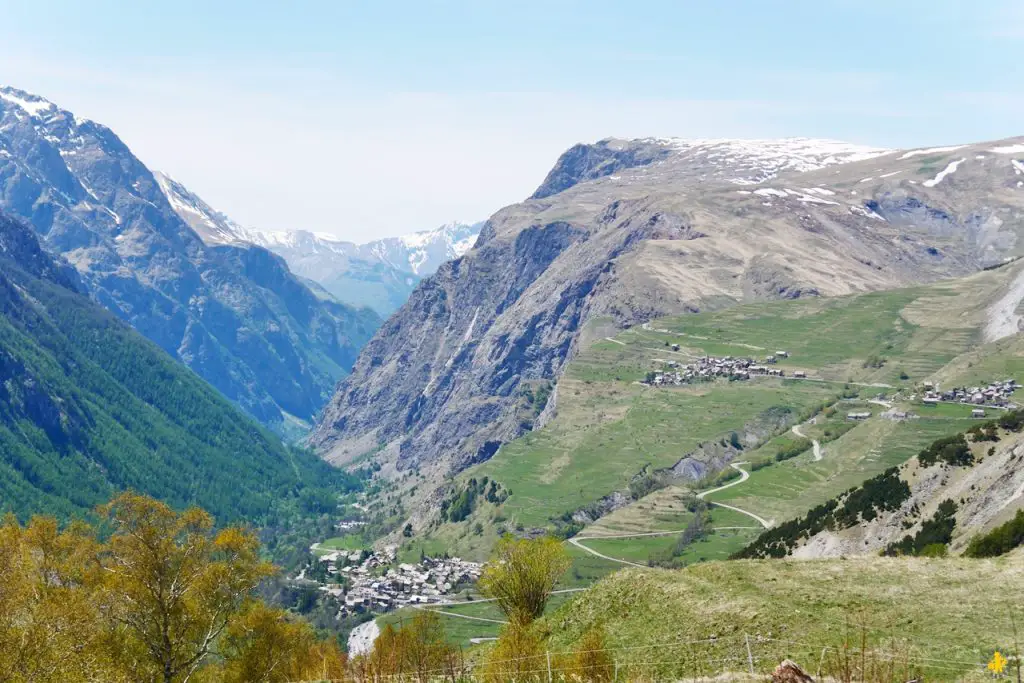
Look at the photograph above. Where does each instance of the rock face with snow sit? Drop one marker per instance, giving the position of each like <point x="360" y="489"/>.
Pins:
<point x="615" y="238"/>
<point x="234" y="314"/>
<point x="744" y="162"/>
<point x="379" y="274"/>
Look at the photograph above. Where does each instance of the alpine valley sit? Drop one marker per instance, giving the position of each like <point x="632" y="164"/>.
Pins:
<point x="743" y="388"/>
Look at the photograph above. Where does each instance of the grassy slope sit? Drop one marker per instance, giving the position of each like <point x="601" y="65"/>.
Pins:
<point x="89" y="407"/>
<point x="952" y="609"/>
<point x="608" y="427"/>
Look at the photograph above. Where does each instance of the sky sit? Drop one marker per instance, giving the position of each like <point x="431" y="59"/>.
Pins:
<point x="369" y="119"/>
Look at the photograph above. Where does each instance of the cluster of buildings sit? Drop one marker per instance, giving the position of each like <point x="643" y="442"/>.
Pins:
<point x="996" y="394"/>
<point x="709" y="368"/>
<point x="370" y="581"/>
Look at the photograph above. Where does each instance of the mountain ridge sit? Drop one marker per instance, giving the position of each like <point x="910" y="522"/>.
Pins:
<point x="273" y="346"/>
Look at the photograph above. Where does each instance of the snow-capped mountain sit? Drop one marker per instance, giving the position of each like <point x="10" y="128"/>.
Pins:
<point x="743" y="162"/>
<point x="380" y="274"/>
<point x="234" y="314"/>
<point x="423" y="252"/>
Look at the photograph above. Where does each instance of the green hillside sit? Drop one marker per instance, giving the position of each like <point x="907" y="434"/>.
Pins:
<point x="940" y="619"/>
<point x="89" y="407"/>
<point x="612" y="433"/>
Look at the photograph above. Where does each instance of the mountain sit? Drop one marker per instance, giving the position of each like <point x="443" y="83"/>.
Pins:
<point x="379" y="274"/>
<point x="704" y="226"/>
<point x="89" y="407"/>
<point x="743" y="162"/>
<point x="234" y="314"/>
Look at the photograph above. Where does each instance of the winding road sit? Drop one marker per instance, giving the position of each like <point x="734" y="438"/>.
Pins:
<point x="744" y="475"/>
<point x="814" y="442"/>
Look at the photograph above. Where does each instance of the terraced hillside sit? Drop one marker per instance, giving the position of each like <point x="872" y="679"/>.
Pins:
<point x="617" y="457"/>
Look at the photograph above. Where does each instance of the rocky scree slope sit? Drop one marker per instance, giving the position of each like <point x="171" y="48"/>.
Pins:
<point x="234" y="314"/>
<point x="89" y="407"/>
<point x="379" y="274"/>
<point x="700" y="227"/>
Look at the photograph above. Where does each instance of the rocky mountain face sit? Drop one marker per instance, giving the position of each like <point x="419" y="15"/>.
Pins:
<point x="694" y="226"/>
<point x="234" y="314"/>
<point x="89" y="407"/>
<point x="379" y="274"/>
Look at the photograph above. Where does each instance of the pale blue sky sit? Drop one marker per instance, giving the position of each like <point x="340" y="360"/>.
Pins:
<point x="375" y="118"/>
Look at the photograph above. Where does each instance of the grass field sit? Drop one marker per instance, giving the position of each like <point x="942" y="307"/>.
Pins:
<point x="941" y="618"/>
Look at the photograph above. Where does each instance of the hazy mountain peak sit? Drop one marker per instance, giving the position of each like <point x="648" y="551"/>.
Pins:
<point x="379" y="274"/>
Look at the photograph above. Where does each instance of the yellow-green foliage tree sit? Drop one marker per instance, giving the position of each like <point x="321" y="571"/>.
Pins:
<point x="51" y="628"/>
<point x="174" y="584"/>
<point x="268" y="645"/>
<point x="417" y="651"/>
<point x="521" y="575"/>
<point x="517" y="656"/>
<point x="151" y="602"/>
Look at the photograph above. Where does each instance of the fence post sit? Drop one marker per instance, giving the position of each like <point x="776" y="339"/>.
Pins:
<point x="549" y="666"/>
<point x="750" y="654"/>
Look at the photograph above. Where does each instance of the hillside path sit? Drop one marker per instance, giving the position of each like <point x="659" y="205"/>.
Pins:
<point x="815" y="446"/>
<point x="576" y="542"/>
<point x="744" y="475"/>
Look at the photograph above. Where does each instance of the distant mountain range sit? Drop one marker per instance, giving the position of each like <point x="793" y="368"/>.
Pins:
<point x="234" y="313"/>
<point x="379" y="274"/>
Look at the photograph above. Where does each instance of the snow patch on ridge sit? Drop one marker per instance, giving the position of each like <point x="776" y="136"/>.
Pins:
<point x="1008" y="149"/>
<point x="950" y="168"/>
<point x="33" y="105"/>
<point x="931" y="150"/>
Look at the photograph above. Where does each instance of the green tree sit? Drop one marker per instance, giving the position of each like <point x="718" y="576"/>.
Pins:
<point x="521" y="575"/>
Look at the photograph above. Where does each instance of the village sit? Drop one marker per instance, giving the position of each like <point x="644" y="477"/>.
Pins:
<point x="371" y="580"/>
<point x="709" y="368"/>
<point x="995" y="394"/>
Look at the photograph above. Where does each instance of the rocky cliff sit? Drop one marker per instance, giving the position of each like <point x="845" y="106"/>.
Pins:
<point x="703" y="226"/>
<point x="234" y="314"/>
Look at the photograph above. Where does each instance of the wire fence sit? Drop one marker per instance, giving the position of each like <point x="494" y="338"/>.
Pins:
<point x="735" y="657"/>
